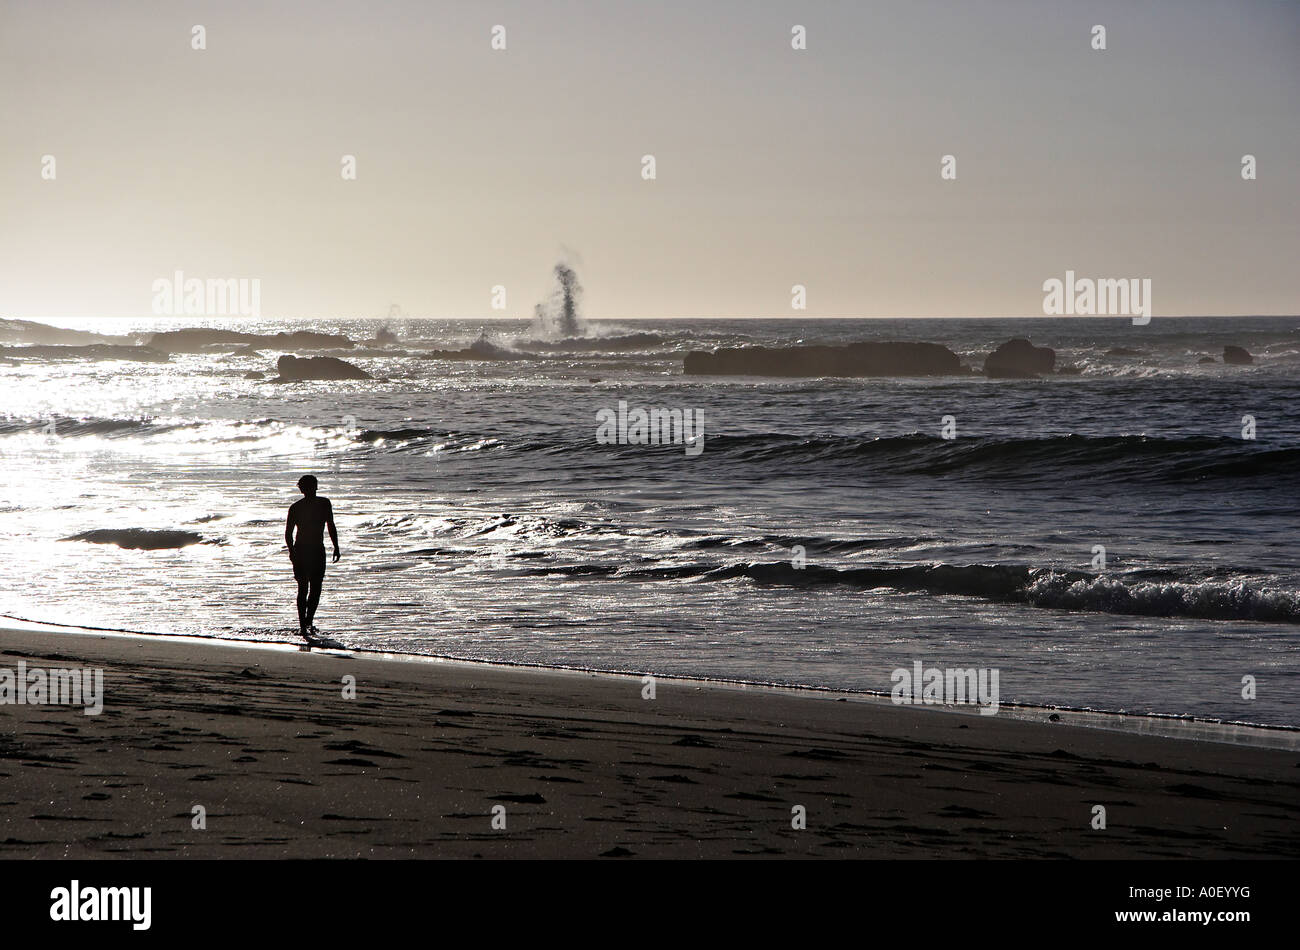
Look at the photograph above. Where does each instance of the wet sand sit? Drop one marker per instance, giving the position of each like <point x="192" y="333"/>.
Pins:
<point x="424" y="757"/>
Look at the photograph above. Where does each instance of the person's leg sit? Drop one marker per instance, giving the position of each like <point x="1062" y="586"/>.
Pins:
<point x="304" y="598"/>
<point x="313" y="598"/>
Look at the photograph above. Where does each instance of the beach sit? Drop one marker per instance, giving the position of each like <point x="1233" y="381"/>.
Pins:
<point x="863" y="438"/>
<point x="429" y="754"/>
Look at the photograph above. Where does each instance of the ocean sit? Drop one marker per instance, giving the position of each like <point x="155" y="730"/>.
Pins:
<point x="822" y="532"/>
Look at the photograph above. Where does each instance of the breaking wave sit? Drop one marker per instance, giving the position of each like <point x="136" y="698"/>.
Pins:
<point x="1161" y="596"/>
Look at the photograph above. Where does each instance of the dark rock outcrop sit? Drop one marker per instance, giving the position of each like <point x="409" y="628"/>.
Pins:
<point x="1019" y="359"/>
<point x="198" y="339"/>
<point x="480" y="349"/>
<point x="95" y="351"/>
<point x="853" y="359"/>
<point x="1237" y="356"/>
<point x="317" y="367"/>
<point x="28" y="331"/>
<point x="138" y="539"/>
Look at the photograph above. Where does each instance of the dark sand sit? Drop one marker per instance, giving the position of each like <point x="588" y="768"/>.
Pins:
<point x="585" y="767"/>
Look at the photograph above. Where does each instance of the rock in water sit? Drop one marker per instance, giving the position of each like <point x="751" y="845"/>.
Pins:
<point x="26" y="331"/>
<point x="480" y="349"/>
<point x="94" y="351"/>
<point x="317" y="367"/>
<point x="138" y="539"/>
<point x="1019" y="359"/>
<point x="1207" y="359"/>
<point x="1237" y="356"/>
<point x="197" y="339"/>
<point x="853" y="359"/>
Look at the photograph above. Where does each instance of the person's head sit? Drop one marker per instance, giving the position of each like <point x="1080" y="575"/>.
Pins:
<point x="307" y="485"/>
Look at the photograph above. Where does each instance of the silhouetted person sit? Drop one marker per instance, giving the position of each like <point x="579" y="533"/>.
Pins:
<point x="311" y="515"/>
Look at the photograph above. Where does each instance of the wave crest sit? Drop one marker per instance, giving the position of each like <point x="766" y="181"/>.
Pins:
<point x="1160" y="594"/>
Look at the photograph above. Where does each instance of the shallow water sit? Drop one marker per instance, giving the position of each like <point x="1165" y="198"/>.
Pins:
<point x="480" y="517"/>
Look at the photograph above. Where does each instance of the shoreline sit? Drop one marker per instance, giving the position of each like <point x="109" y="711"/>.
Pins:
<point x="426" y="755"/>
<point x="1164" y="725"/>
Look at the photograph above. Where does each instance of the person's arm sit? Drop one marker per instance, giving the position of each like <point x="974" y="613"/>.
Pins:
<point x="288" y="533"/>
<point x="329" y="523"/>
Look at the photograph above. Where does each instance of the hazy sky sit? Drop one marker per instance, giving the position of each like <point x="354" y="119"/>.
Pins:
<point x="774" y="166"/>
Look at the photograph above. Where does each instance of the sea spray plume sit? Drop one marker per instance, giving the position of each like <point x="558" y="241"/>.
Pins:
<point x="560" y="318"/>
<point x="570" y="290"/>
